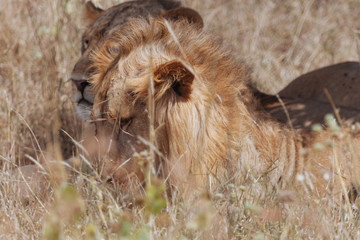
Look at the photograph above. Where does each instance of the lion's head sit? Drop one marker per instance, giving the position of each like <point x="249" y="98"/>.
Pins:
<point x="101" y="25"/>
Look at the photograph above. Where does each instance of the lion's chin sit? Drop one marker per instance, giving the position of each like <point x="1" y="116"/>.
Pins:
<point x="84" y="102"/>
<point x="83" y="110"/>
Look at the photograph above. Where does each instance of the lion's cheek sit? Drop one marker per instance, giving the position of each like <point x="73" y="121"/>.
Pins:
<point x="120" y="162"/>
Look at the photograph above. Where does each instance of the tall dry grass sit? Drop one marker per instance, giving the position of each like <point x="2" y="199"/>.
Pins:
<point x="283" y="39"/>
<point x="39" y="44"/>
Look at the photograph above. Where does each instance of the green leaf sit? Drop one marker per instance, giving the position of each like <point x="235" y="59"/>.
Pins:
<point x="155" y="201"/>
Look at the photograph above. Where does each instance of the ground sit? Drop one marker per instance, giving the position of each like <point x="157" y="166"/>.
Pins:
<point x="39" y="44"/>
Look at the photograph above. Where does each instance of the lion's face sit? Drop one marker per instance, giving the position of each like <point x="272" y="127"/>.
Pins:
<point x="120" y="134"/>
<point x="122" y="120"/>
<point x="101" y="26"/>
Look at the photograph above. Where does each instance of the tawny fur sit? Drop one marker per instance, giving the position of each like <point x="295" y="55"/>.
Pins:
<point x="212" y="133"/>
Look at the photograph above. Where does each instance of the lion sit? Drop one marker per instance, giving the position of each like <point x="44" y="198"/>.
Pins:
<point x="101" y="24"/>
<point x="178" y="93"/>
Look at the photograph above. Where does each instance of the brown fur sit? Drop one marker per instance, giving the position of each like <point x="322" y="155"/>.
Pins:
<point x="210" y="129"/>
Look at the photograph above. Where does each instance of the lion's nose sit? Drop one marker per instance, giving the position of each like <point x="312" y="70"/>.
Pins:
<point x="80" y="84"/>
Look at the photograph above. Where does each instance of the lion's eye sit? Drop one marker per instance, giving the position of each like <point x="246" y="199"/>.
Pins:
<point x="86" y="44"/>
<point x="125" y="122"/>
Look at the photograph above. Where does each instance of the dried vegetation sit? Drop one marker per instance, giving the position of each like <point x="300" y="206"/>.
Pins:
<point x="39" y="45"/>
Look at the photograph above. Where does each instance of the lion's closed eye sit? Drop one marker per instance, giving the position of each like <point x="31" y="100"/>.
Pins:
<point x="125" y="123"/>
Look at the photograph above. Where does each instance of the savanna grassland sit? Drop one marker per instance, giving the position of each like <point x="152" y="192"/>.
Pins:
<point x="39" y="44"/>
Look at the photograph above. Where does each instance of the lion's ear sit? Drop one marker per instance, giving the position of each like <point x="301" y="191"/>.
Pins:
<point x="184" y="13"/>
<point x="91" y="13"/>
<point x="175" y="75"/>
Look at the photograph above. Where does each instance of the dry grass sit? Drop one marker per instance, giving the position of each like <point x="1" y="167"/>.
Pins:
<point x="39" y="45"/>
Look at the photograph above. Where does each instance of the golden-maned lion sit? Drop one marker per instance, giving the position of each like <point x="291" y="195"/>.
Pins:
<point x="177" y="92"/>
<point x="101" y="24"/>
